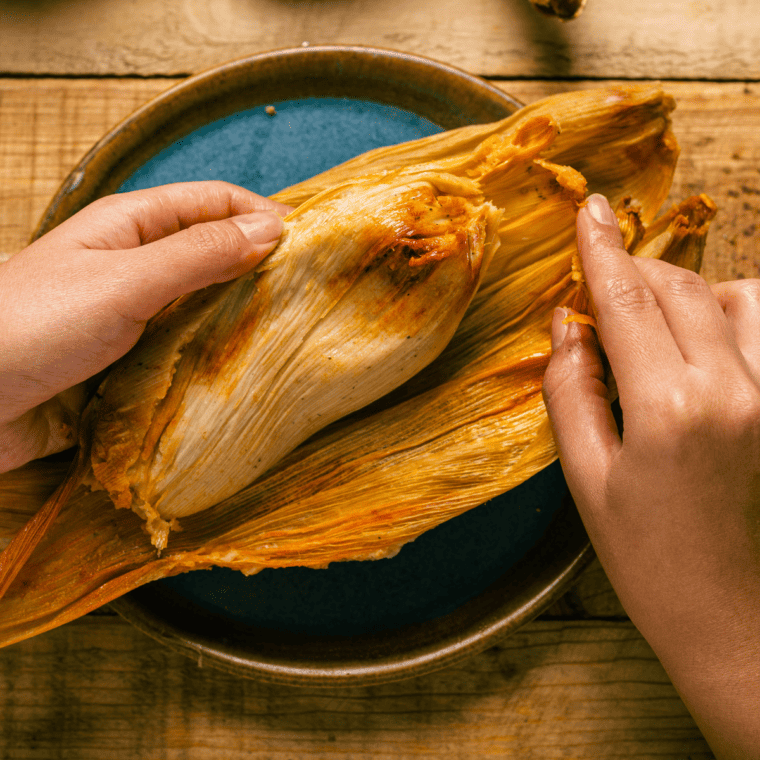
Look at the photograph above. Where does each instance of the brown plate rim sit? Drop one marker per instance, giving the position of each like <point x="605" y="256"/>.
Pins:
<point x="543" y="575"/>
<point x="104" y="167"/>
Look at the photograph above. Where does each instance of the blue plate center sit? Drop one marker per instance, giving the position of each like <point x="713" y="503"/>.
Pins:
<point x="267" y="153"/>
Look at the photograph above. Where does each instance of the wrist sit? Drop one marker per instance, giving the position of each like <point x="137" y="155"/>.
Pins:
<point x="46" y="429"/>
<point x="724" y="698"/>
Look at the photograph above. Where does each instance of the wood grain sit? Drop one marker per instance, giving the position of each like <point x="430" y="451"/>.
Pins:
<point x="99" y="689"/>
<point x="677" y="39"/>
<point x="46" y="126"/>
<point x="559" y="688"/>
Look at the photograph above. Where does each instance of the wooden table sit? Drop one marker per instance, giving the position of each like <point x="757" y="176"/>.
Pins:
<point x="579" y="682"/>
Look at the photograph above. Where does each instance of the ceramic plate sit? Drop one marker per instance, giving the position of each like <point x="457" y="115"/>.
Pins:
<point x="267" y="122"/>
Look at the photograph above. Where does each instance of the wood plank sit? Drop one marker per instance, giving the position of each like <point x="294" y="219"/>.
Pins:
<point x="98" y="688"/>
<point x="673" y="39"/>
<point x="46" y="126"/>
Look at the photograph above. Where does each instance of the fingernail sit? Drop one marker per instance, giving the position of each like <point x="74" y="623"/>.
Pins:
<point x="559" y="328"/>
<point x="262" y="228"/>
<point x="601" y="211"/>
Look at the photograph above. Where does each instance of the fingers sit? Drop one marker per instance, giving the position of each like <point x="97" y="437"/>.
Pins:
<point x="631" y="324"/>
<point x="47" y="429"/>
<point x="22" y="440"/>
<point x="579" y="410"/>
<point x="185" y="236"/>
<point x="740" y="301"/>
<point x="69" y="310"/>
<point x="693" y="315"/>
<point x="132" y="219"/>
<point x="191" y="259"/>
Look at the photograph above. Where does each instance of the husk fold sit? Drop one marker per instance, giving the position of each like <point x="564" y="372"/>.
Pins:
<point x="468" y="427"/>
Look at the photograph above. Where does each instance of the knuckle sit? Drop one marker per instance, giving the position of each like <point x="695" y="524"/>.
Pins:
<point x="211" y="237"/>
<point x="740" y="300"/>
<point x="629" y="295"/>
<point x="567" y="370"/>
<point x="683" y="411"/>
<point x="555" y="375"/>
<point x="689" y="411"/>
<point x="673" y="417"/>
<point x="748" y="409"/>
<point x="685" y="283"/>
<point x="749" y="291"/>
<point x="223" y="193"/>
<point x="555" y="383"/>
<point x="223" y="187"/>
<point x="105" y="203"/>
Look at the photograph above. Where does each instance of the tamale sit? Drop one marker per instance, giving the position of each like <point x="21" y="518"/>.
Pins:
<point x="366" y="287"/>
<point x="467" y="427"/>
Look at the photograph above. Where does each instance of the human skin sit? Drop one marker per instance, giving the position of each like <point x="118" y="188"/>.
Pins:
<point x="78" y="298"/>
<point x="672" y="506"/>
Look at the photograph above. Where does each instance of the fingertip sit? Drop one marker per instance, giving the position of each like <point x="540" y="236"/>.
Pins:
<point x="596" y="220"/>
<point x="262" y="229"/>
<point x="600" y="210"/>
<point x="194" y="258"/>
<point x="559" y="326"/>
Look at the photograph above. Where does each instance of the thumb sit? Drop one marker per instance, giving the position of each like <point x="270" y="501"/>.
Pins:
<point x="196" y="257"/>
<point x="578" y="405"/>
<point x="68" y="314"/>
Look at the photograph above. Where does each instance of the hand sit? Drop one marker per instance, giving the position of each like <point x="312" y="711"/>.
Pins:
<point x="673" y="505"/>
<point x="79" y="297"/>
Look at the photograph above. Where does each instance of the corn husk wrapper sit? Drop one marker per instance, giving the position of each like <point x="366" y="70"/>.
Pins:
<point x="468" y="427"/>
<point x="368" y="283"/>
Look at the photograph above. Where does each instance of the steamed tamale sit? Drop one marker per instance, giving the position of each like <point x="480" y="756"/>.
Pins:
<point x="468" y="426"/>
<point x="366" y="287"/>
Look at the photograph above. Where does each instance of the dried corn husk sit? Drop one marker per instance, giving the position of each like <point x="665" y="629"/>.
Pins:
<point x="367" y="285"/>
<point x="23" y="492"/>
<point x="564" y="9"/>
<point x="468" y="427"/>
